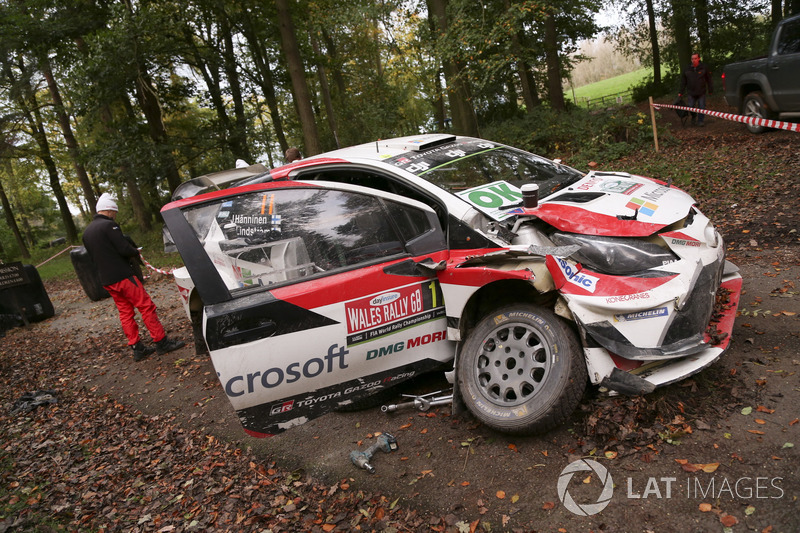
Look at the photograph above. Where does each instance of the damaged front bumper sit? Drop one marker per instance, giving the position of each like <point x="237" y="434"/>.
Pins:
<point x="629" y="376"/>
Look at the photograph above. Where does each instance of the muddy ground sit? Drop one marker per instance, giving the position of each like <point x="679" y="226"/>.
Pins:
<point x="717" y="451"/>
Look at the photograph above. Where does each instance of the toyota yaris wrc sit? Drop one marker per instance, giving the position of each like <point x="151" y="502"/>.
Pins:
<point x="320" y="283"/>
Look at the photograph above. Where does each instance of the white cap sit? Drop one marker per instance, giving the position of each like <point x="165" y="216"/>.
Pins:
<point x="106" y="203"/>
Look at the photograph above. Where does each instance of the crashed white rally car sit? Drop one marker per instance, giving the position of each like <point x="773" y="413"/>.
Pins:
<point x="320" y="283"/>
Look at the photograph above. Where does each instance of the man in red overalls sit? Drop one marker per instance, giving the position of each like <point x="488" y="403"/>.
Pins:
<point x="112" y="253"/>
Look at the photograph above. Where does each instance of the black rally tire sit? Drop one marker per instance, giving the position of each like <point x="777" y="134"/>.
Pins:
<point x="521" y="370"/>
<point x="755" y="106"/>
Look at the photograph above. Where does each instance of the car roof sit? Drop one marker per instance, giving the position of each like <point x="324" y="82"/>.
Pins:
<point x="373" y="151"/>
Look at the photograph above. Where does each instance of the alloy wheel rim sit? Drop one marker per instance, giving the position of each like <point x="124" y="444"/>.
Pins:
<point x="513" y="364"/>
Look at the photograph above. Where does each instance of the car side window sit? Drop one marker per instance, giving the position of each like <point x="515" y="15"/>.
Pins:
<point x="277" y="236"/>
<point x="789" y="40"/>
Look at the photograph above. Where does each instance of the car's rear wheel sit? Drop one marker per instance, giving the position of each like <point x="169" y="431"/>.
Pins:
<point x="521" y="370"/>
<point x="754" y="106"/>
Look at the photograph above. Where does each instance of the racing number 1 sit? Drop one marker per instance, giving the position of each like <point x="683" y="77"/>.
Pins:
<point x="432" y="287"/>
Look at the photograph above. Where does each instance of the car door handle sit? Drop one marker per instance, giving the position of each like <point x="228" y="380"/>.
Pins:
<point x="261" y="331"/>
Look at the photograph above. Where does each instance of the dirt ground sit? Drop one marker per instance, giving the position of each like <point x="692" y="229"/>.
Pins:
<point x="717" y="452"/>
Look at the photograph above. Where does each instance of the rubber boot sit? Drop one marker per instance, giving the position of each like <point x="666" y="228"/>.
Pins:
<point x="141" y="351"/>
<point x="166" y="345"/>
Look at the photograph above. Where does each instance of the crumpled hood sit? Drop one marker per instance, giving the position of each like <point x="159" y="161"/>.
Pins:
<point x="614" y="204"/>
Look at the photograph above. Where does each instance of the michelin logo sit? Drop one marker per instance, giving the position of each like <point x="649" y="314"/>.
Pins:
<point x="641" y="315"/>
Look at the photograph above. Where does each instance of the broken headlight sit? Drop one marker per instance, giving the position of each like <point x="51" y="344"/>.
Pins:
<point x="615" y="255"/>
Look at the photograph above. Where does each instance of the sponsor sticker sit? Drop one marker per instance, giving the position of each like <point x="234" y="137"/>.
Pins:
<point x="642" y="315"/>
<point x="584" y="281"/>
<point x="382" y="314"/>
<point x="645" y="208"/>
<point x="626" y="187"/>
<point x="493" y="198"/>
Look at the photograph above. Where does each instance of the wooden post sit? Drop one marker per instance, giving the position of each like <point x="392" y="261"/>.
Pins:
<point x="653" y="120"/>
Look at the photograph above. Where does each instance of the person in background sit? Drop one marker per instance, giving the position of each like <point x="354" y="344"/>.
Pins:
<point x="292" y="154"/>
<point x="112" y="252"/>
<point x="695" y="83"/>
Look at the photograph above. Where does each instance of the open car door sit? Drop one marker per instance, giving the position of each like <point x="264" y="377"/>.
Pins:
<point x="312" y="293"/>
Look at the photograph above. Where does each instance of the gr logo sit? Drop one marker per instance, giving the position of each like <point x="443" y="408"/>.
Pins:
<point x="585" y="465"/>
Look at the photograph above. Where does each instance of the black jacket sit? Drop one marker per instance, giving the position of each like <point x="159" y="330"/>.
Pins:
<point x="696" y="81"/>
<point x="109" y="249"/>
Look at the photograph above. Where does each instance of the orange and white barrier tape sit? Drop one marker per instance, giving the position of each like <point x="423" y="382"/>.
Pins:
<point x="151" y="267"/>
<point x="59" y="253"/>
<point x="776" y="124"/>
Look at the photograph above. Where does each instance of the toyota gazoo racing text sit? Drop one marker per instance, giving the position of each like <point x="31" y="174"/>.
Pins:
<point x="321" y="283"/>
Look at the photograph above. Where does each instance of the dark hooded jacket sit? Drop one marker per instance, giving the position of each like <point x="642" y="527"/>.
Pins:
<point x="110" y="250"/>
<point x="696" y="81"/>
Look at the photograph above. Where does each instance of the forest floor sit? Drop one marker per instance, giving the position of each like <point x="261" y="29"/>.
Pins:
<point x="155" y="445"/>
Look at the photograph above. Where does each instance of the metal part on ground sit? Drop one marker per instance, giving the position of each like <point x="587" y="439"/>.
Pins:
<point x="386" y="442"/>
<point x="422" y="402"/>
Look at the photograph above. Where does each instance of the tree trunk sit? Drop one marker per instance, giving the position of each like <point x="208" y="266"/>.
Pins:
<point x="266" y="82"/>
<point x="30" y="108"/>
<point x="151" y="107"/>
<point x="37" y="126"/>
<point x="530" y="96"/>
<point x="553" y="63"/>
<point x="776" y="11"/>
<point x="150" y="103"/>
<point x="438" y="103"/>
<point x="326" y="94"/>
<point x="239" y="134"/>
<point x="703" y="33"/>
<point x="651" y="22"/>
<point x="9" y="213"/>
<point x="294" y="63"/>
<point x="681" y="22"/>
<point x="458" y="94"/>
<point x="66" y="129"/>
<point x="338" y="79"/>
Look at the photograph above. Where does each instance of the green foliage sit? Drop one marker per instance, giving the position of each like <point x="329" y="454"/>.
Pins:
<point x="577" y="136"/>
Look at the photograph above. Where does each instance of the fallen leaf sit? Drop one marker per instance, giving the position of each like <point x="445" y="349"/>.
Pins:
<point x="709" y="468"/>
<point x="328" y="527"/>
<point x="760" y="421"/>
<point x="611" y="454"/>
<point x="755" y="431"/>
<point x="405" y="426"/>
<point x="705" y="507"/>
<point x="747" y="410"/>
<point x="548" y="505"/>
<point x="500" y="494"/>
<point x="515" y="498"/>
<point x="513" y="447"/>
<point x="465" y="483"/>
<point x="762" y="409"/>
<point x="749" y="510"/>
<point x="795" y="421"/>
<point x="787" y="445"/>
<point x="728" y="520"/>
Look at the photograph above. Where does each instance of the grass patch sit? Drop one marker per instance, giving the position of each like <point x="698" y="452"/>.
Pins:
<point x="614" y="85"/>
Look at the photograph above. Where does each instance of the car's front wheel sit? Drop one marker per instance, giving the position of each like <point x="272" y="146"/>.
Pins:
<point x="754" y="106"/>
<point x="521" y="370"/>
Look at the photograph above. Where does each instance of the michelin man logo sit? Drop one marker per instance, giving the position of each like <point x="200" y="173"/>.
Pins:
<point x="583" y="465"/>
